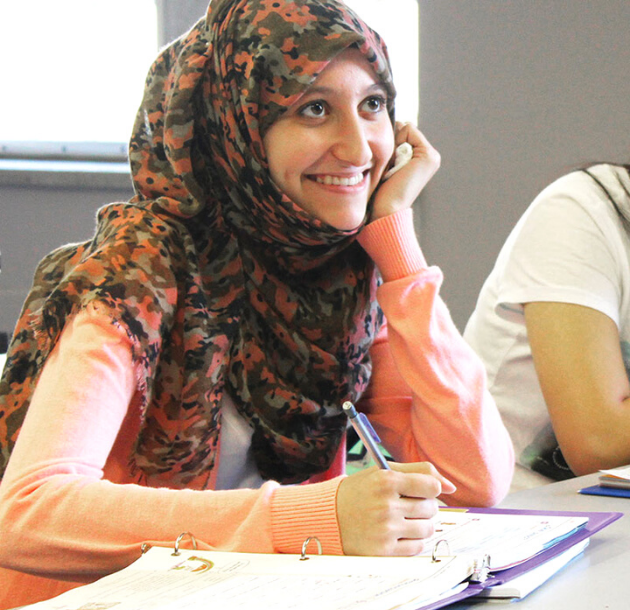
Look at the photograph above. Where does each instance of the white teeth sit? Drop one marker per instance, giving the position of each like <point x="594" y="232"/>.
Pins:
<point x="337" y="181"/>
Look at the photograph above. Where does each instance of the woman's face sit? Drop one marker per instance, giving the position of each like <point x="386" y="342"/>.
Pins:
<point x="328" y="151"/>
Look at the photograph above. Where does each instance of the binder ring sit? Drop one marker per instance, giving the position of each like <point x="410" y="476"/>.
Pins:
<point x="481" y="569"/>
<point x="304" y="556"/>
<point x="175" y="552"/>
<point x="436" y="546"/>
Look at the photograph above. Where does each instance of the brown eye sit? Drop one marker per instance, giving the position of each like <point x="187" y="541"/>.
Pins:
<point x="374" y="104"/>
<point x="314" y="109"/>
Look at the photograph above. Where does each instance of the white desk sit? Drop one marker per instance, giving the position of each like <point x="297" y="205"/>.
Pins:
<point x="598" y="579"/>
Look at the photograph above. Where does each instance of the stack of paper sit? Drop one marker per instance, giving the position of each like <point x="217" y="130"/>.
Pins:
<point x="615" y="482"/>
<point x="618" y="477"/>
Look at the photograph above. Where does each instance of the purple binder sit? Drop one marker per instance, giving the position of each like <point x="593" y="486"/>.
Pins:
<point x="596" y="522"/>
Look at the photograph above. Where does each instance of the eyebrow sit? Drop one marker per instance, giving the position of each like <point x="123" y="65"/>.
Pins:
<point x="329" y="90"/>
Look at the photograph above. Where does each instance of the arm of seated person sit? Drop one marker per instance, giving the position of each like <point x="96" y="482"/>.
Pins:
<point x="577" y="356"/>
<point x="55" y="498"/>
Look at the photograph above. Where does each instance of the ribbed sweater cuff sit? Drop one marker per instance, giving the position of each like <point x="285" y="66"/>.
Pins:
<point x="392" y="244"/>
<point x="300" y="511"/>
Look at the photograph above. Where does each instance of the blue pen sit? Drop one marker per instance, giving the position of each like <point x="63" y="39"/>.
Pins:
<point x="366" y="433"/>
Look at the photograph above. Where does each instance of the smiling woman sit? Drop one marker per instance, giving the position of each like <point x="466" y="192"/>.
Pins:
<point x="329" y="150"/>
<point x="184" y="369"/>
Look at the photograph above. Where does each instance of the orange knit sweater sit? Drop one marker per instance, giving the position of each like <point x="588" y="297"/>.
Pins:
<point x="71" y="510"/>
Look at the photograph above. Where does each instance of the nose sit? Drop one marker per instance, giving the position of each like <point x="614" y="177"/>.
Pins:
<point x="351" y="141"/>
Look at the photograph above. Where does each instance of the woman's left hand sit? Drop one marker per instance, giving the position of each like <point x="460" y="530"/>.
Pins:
<point x="401" y="190"/>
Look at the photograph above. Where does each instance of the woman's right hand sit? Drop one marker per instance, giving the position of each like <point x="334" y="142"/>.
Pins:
<point x="388" y="512"/>
<point x="401" y="190"/>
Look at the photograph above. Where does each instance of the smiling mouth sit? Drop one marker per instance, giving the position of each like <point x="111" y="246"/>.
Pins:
<point x="339" y="180"/>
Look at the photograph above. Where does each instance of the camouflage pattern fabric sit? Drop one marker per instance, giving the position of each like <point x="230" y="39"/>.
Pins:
<point x="221" y="282"/>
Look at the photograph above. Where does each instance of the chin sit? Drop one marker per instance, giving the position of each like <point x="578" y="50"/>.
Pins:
<point x="347" y="225"/>
<point x="348" y="221"/>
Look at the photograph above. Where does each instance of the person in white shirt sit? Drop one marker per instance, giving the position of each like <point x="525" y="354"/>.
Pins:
<point x="552" y="325"/>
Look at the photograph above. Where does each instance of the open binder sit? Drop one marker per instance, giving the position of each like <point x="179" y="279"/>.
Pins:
<point x="595" y="522"/>
<point x="169" y="578"/>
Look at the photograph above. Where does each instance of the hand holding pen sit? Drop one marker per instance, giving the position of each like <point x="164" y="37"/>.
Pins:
<point x="387" y="510"/>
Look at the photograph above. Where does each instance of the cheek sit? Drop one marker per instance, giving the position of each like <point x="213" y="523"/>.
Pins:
<point x="269" y="144"/>
<point x="288" y="154"/>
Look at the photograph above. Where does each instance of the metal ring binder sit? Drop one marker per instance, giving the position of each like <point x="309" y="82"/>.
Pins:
<point x="481" y="569"/>
<point x="175" y="552"/>
<point x="304" y="556"/>
<point x="436" y="546"/>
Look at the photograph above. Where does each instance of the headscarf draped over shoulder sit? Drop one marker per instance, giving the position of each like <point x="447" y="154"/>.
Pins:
<point x="223" y="284"/>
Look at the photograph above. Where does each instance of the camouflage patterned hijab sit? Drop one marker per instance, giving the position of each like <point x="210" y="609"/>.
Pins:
<point x="222" y="283"/>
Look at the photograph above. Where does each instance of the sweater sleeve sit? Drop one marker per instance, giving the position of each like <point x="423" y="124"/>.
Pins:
<point x="57" y="502"/>
<point x="428" y="397"/>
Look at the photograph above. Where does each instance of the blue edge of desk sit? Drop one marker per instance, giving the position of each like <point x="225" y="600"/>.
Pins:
<point x="596" y="522"/>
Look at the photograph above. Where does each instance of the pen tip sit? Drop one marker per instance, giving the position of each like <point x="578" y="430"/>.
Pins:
<point x="347" y="406"/>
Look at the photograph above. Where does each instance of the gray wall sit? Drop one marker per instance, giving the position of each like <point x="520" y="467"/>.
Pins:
<point x="34" y="221"/>
<point x="513" y="93"/>
<point x="176" y="16"/>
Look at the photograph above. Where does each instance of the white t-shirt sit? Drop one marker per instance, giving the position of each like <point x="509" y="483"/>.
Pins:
<point x="570" y="246"/>
<point x="237" y="467"/>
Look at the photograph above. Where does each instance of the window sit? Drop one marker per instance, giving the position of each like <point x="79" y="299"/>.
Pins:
<point x="398" y="22"/>
<point x="73" y="70"/>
